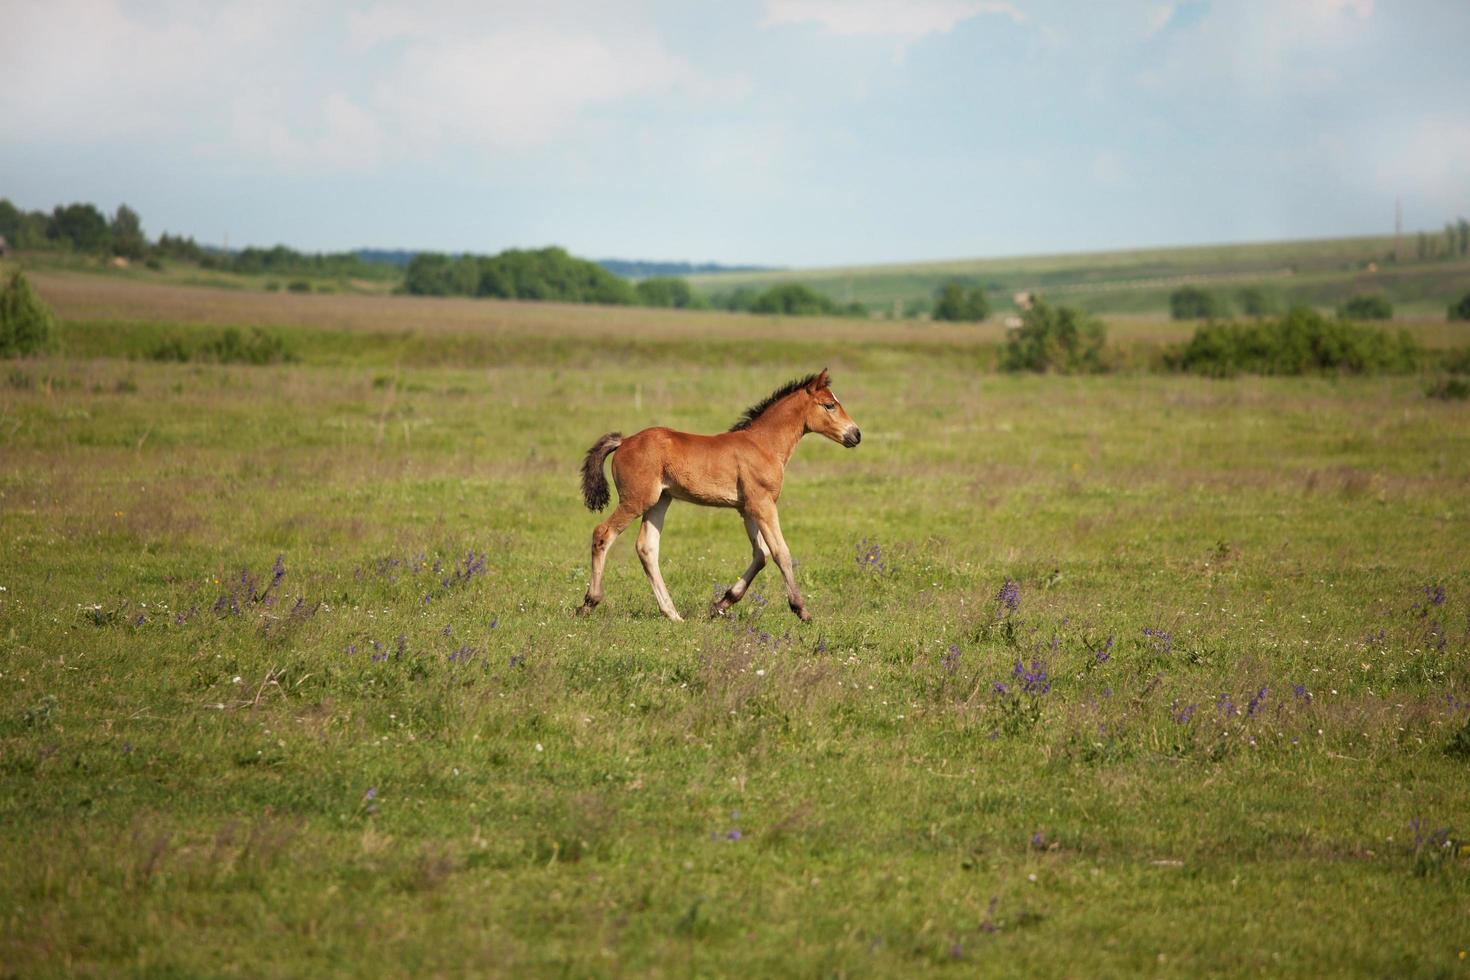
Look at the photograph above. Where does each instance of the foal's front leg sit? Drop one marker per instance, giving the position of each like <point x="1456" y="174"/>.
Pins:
<point x="770" y="527"/>
<point x="759" y="553"/>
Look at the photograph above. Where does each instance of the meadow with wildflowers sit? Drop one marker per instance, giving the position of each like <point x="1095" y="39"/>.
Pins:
<point x="1108" y="675"/>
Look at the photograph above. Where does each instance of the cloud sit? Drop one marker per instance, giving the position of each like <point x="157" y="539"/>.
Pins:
<point x="907" y="20"/>
<point x="1257" y="49"/>
<point x="346" y="87"/>
<point x="1426" y="161"/>
<point x="519" y="88"/>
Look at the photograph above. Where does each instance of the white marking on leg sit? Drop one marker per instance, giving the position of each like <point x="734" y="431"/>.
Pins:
<point x="648" y="540"/>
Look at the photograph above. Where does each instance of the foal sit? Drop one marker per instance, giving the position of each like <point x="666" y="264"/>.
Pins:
<point x="741" y="468"/>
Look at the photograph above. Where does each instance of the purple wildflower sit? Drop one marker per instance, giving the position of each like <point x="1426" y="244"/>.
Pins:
<point x="1009" y="596"/>
<point x="1225" y="706"/>
<point x="951" y="659"/>
<point x="1000" y="688"/>
<point x="1300" y="692"/>
<point x="1105" y="654"/>
<point x="1038" y="841"/>
<point x="1256" y="702"/>
<point x="1033" y="680"/>
<point x="1183" y="717"/>
<point x="1162" y="641"/>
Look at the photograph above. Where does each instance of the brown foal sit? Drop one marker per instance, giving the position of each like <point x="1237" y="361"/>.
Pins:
<point x="742" y="468"/>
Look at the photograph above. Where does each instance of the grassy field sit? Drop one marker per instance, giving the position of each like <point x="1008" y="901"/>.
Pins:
<point x="1320" y="273"/>
<point x="290" y="682"/>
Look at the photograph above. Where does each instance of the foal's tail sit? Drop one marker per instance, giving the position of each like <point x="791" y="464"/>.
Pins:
<point x="594" y="483"/>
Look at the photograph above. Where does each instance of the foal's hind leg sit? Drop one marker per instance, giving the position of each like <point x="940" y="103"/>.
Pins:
<point x="603" y="537"/>
<point x="648" y="537"/>
<point x="759" y="554"/>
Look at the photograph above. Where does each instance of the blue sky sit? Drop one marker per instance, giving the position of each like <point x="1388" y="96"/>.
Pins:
<point x="794" y="132"/>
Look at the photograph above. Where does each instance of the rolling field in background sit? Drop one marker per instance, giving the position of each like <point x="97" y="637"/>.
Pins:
<point x="1320" y="273"/>
<point x="1109" y="675"/>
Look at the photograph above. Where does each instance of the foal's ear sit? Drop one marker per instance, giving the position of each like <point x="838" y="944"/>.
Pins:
<point x="819" y="382"/>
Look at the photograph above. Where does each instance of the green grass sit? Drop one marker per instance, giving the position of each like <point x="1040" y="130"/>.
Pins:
<point x="186" y="791"/>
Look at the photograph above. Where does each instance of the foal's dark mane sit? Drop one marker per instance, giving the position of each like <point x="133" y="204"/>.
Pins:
<point x="755" y="411"/>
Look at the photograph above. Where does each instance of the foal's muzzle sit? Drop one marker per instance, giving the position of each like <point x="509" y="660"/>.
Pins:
<point x="853" y="437"/>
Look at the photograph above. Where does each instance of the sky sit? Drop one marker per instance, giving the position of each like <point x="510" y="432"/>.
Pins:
<point x="786" y="132"/>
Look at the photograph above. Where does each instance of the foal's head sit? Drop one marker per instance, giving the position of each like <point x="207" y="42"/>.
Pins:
<point x="825" y="415"/>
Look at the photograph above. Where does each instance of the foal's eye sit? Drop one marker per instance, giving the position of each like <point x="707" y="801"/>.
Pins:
<point x="830" y="407"/>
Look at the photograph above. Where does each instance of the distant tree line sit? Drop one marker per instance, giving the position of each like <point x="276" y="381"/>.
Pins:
<point x="785" y="299"/>
<point x="83" y="229"/>
<point x="1453" y="241"/>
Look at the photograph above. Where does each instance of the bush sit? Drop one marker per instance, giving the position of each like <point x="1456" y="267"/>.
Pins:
<point x="1366" y="308"/>
<point x="1255" y="302"/>
<point x="170" y="349"/>
<point x="27" y="325"/>
<point x="793" y="299"/>
<point x="667" y="291"/>
<point x="299" y="286"/>
<point x="1193" y="303"/>
<point x="233" y="347"/>
<point x="1058" y="339"/>
<point x="953" y="302"/>
<point x="1460" y="310"/>
<point x="1449" y="389"/>
<point x="1302" y="342"/>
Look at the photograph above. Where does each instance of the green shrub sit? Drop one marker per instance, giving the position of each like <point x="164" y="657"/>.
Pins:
<point x="1460" y="310"/>
<point x="669" y="291"/>
<point x="1302" y="342"/>
<point x="955" y="303"/>
<point x="1058" y="339"/>
<point x="1367" y="307"/>
<point x="1255" y="302"/>
<point x="1449" y="389"/>
<point x="793" y="299"/>
<point x="27" y="325"/>
<point x="1193" y="303"/>
<point x="170" y="349"/>
<point x="233" y="347"/>
<point x="299" y="286"/>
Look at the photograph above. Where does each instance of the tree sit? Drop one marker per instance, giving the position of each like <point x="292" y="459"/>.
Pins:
<point x="27" y="325"/>
<point x="792" y="299"/>
<point x="1193" y="303"/>
<point x="664" y="291"/>
<point x="1461" y="310"/>
<point x="1255" y="302"/>
<point x="953" y="302"/>
<point x="128" y="239"/>
<point x="1463" y="227"/>
<point x="1366" y="307"/>
<point x="81" y="226"/>
<point x="1057" y="339"/>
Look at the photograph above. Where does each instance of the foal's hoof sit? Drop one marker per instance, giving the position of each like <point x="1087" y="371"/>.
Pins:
<point x="801" y="613"/>
<point x="719" y="608"/>
<point x="586" y="607"/>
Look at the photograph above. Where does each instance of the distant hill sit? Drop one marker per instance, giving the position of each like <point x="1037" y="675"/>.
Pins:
<point x="1319" y="272"/>
<point x="643" y="268"/>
